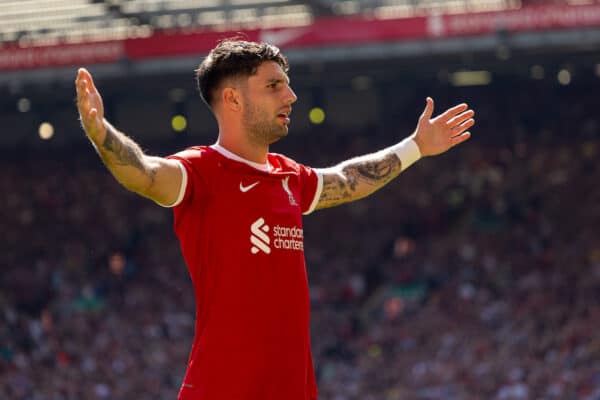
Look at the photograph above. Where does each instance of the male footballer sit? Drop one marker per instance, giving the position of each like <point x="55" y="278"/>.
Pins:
<point x="238" y="216"/>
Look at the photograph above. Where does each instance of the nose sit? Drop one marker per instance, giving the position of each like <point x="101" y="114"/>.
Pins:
<point x="290" y="96"/>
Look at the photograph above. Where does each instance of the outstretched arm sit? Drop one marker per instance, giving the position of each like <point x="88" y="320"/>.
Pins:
<point x="154" y="177"/>
<point x="359" y="177"/>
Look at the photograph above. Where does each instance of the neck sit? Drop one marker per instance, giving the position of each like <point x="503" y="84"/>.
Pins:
<point x="234" y="137"/>
<point x="249" y="151"/>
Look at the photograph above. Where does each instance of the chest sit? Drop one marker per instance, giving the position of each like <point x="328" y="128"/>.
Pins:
<point x="250" y="193"/>
<point x="262" y="213"/>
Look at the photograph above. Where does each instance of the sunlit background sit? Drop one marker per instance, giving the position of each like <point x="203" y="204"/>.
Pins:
<point x="474" y="275"/>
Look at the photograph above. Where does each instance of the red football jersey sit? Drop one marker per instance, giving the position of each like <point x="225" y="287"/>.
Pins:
<point x="240" y="229"/>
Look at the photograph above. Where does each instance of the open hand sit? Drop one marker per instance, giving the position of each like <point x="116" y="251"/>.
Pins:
<point x="435" y="136"/>
<point x="90" y="106"/>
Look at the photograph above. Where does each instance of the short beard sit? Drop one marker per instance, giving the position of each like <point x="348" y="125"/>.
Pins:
<point x="259" y="129"/>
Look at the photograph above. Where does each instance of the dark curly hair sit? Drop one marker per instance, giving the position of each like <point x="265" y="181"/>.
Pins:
<point x="233" y="58"/>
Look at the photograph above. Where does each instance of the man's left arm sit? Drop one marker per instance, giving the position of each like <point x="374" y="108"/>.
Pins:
<point x="359" y="177"/>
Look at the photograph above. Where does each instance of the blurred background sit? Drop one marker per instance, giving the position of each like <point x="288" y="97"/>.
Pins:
<point x="475" y="275"/>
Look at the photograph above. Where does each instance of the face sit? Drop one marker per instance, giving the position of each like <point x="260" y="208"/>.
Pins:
<point x="268" y="99"/>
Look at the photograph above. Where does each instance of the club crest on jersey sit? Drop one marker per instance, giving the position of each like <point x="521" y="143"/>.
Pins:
<point x="286" y="187"/>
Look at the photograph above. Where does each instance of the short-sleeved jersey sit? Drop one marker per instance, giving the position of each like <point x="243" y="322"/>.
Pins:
<point x="240" y="230"/>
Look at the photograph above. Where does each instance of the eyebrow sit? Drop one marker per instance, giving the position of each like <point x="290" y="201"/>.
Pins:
<point x="278" y="80"/>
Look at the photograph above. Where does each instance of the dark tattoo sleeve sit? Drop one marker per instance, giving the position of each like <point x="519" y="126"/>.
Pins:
<point x="119" y="150"/>
<point x="124" y="151"/>
<point x="358" y="178"/>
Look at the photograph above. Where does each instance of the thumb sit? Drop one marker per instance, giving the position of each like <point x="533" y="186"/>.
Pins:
<point x="428" y="111"/>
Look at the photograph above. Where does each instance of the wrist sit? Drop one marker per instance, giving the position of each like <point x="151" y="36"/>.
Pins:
<point x="407" y="151"/>
<point x="102" y="131"/>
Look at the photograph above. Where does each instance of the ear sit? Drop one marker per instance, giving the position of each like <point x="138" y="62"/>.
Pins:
<point x="231" y="99"/>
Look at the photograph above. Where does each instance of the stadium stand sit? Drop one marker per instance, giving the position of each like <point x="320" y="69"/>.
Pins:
<point x="475" y="275"/>
<point x="45" y="22"/>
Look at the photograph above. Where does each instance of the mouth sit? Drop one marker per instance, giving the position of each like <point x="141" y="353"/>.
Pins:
<point x="285" y="115"/>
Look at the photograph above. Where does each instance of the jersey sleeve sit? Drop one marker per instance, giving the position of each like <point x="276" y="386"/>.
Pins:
<point x="182" y="188"/>
<point x="311" y="181"/>
<point x="189" y="162"/>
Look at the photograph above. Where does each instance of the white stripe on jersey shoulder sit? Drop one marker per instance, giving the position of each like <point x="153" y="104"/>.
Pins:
<point x="266" y="167"/>
<point x="182" y="188"/>
<point x="318" y="191"/>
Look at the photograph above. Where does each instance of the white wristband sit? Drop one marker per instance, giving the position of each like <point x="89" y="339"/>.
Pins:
<point x="407" y="151"/>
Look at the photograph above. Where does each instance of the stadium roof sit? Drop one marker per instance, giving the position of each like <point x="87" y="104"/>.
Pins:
<point x="43" y="22"/>
<point x="45" y="39"/>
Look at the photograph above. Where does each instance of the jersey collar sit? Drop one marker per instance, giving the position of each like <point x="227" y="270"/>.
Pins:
<point x="266" y="167"/>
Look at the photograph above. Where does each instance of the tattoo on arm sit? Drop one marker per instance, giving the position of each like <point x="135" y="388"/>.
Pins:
<point x="334" y="192"/>
<point x="358" y="178"/>
<point x="125" y="152"/>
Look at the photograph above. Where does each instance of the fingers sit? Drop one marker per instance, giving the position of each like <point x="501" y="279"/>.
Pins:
<point x="89" y="104"/>
<point x="84" y="83"/>
<point x="81" y="85"/>
<point x="89" y="101"/>
<point x="458" y="129"/>
<point x="84" y="75"/>
<point x="460" y="118"/>
<point x="452" y="112"/>
<point x="428" y="111"/>
<point x="459" y="138"/>
<point x="83" y="100"/>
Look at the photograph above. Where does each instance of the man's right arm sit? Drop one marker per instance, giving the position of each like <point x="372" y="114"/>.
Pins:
<point x="156" y="178"/>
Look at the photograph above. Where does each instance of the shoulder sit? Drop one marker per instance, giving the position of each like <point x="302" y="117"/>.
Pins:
<point x="194" y="154"/>
<point x="285" y="164"/>
<point x="198" y="161"/>
<point x="198" y="168"/>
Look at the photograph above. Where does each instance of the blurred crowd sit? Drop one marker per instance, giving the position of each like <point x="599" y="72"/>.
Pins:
<point x="475" y="275"/>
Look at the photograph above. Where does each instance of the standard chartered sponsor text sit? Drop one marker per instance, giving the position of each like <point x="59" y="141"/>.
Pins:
<point x="288" y="238"/>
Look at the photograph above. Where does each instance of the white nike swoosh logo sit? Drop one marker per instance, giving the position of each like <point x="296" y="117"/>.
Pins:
<point x="244" y="189"/>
